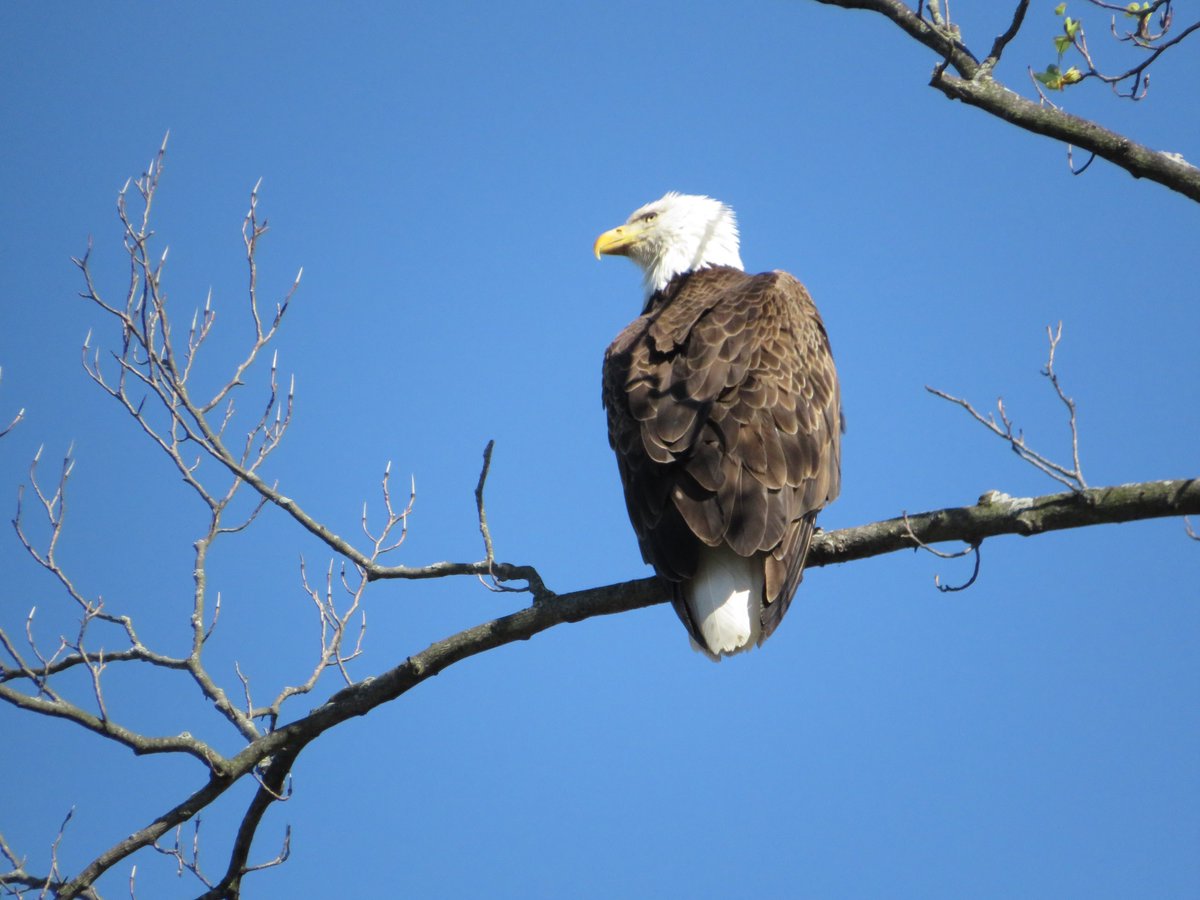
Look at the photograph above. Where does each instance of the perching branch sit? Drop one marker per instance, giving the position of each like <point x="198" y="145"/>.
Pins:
<point x="998" y="514"/>
<point x="993" y="516"/>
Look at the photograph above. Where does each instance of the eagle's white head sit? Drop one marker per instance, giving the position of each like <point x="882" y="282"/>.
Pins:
<point x="675" y="234"/>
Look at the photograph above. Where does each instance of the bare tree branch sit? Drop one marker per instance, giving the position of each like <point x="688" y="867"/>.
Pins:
<point x="1141" y="162"/>
<point x="973" y="84"/>
<point x="995" y="515"/>
<point x="998" y="514"/>
<point x="140" y="744"/>
<point x="148" y="377"/>
<point x="1142" y="38"/>
<point x="270" y="787"/>
<point x="1003" y="40"/>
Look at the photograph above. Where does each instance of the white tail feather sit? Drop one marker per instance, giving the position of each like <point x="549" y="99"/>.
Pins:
<point x="725" y="601"/>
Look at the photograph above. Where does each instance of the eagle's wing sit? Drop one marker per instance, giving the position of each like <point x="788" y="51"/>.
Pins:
<point x="724" y="412"/>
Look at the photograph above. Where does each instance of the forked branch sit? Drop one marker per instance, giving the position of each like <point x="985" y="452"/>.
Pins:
<point x="1073" y="477"/>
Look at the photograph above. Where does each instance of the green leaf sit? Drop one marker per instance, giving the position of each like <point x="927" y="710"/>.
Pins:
<point x="1062" y="43"/>
<point x="1051" y="78"/>
<point x="1062" y="8"/>
<point x="1071" y="76"/>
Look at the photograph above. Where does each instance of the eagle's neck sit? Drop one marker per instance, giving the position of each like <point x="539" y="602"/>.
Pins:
<point x="715" y="245"/>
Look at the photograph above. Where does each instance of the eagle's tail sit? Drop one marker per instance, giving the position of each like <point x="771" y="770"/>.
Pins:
<point x="724" y="602"/>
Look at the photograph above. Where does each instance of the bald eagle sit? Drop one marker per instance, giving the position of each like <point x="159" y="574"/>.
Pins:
<point x="724" y="413"/>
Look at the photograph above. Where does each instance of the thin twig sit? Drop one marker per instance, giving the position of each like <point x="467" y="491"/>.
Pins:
<point x="493" y="583"/>
<point x="1071" y="161"/>
<point x="947" y="588"/>
<point x="919" y="544"/>
<point x="280" y="858"/>
<point x="177" y="853"/>
<point x="1141" y="38"/>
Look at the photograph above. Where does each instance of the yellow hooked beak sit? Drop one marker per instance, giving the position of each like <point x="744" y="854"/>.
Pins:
<point x="617" y="241"/>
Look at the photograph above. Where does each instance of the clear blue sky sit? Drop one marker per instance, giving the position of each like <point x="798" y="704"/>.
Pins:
<point x="440" y="171"/>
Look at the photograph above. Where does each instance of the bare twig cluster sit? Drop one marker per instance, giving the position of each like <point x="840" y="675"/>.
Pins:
<point x="186" y="855"/>
<point x="1153" y="23"/>
<point x="17" y="882"/>
<point x="151" y="375"/>
<point x="1004" y="428"/>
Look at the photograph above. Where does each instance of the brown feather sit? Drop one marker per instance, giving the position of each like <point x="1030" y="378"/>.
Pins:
<point x="724" y="411"/>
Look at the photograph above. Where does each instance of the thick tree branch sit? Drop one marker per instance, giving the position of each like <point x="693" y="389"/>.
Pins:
<point x="991" y="517"/>
<point x="270" y="789"/>
<point x="140" y="744"/>
<point x="975" y="86"/>
<point x="994" y="515"/>
<point x="1138" y="160"/>
<point x="80" y="885"/>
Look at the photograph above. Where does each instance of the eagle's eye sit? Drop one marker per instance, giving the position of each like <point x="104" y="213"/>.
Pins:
<point x="649" y="217"/>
